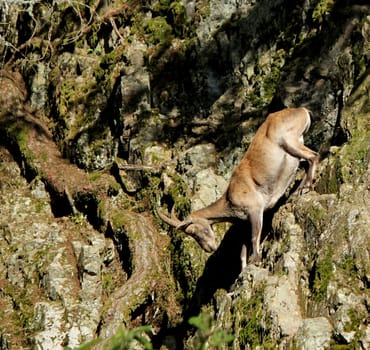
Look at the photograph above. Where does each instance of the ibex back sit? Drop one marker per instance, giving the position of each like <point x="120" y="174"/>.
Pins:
<point x="258" y="182"/>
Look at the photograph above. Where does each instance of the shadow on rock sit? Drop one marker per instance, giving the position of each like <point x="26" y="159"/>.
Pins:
<point x="222" y="268"/>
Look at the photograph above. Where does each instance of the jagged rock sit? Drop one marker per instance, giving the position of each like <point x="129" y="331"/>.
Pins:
<point x="148" y="136"/>
<point x="42" y="277"/>
<point x="208" y="187"/>
<point x="281" y="298"/>
<point x="55" y="279"/>
<point x="314" y="333"/>
<point x="157" y="156"/>
<point x="39" y="87"/>
<point x="197" y="158"/>
<point x="135" y="89"/>
<point x="50" y="318"/>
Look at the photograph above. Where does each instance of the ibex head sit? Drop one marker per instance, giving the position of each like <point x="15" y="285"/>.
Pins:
<point x="198" y="228"/>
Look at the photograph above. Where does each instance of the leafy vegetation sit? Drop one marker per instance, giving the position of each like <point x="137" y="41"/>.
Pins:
<point x="207" y="335"/>
<point x="124" y="340"/>
<point x="322" y="9"/>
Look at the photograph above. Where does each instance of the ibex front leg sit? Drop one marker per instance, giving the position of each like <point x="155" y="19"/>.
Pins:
<point x="256" y="220"/>
<point x="298" y="150"/>
<point x="243" y="256"/>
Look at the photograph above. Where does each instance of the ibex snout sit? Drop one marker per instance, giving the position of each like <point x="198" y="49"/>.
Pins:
<point x="204" y="235"/>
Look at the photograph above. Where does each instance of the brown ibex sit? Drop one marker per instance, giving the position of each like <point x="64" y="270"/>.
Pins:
<point x="257" y="183"/>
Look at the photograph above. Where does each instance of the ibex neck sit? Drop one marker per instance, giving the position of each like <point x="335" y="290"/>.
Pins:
<point x="215" y="212"/>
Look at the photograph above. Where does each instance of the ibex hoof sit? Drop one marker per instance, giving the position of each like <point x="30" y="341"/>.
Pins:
<point x="302" y="189"/>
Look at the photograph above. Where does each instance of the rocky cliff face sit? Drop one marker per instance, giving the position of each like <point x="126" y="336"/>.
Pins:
<point x="110" y="109"/>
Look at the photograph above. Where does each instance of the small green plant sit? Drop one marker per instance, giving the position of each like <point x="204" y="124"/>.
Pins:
<point x="126" y="339"/>
<point x="322" y="9"/>
<point x="78" y="218"/>
<point x="208" y="337"/>
<point x="123" y="340"/>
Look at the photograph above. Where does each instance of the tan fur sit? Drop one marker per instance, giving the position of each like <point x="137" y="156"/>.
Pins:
<point x="258" y="182"/>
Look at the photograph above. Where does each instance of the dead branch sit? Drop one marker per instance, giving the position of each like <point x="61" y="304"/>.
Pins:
<point x="140" y="167"/>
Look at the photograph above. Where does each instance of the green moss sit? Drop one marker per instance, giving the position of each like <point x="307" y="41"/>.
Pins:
<point x="334" y="178"/>
<point x="114" y="188"/>
<point x="177" y="8"/>
<point x="78" y="219"/>
<point x="188" y="262"/>
<point x="23" y="306"/>
<point x="349" y="265"/>
<point x="175" y="15"/>
<point x="356" y="320"/>
<point x="271" y="80"/>
<point x="349" y="163"/>
<point x="44" y="156"/>
<point x="103" y="71"/>
<point x="67" y="94"/>
<point x="108" y="284"/>
<point x="99" y="73"/>
<point x="94" y="37"/>
<point x="251" y="321"/>
<point x="255" y="100"/>
<point x="322" y="9"/>
<point x="94" y="176"/>
<point x="147" y="198"/>
<point x="270" y="83"/>
<point x="157" y="31"/>
<point x="112" y="57"/>
<point x="354" y="157"/>
<point x="73" y="94"/>
<point x="101" y="213"/>
<point x="179" y="194"/>
<point x="118" y="219"/>
<point x="40" y="206"/>
<point x="19" y="133"/>
<point x="314" y="219"/>
<point x="323" y="273"/>
<point x="317" y="213"/>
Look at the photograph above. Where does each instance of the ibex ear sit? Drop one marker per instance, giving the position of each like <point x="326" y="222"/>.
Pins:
<point x="185" y="223"/>
<point x="190" y="230"/>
